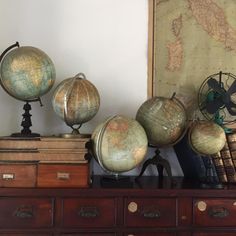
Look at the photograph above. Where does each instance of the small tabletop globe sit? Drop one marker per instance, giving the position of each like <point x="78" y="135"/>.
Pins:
<point x="27" y="73"/>
<point x="76" y="100"/>
<point x="119" y="144"/>
<point x="164" y="120"/>
<point x="206" y="137"/>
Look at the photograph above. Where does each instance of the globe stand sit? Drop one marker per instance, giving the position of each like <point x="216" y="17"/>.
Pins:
<point x="26" y="123"/>
<point x="75" y="133"/>
<point x="209" y="181"/>
<point x="160" y="164"/>
<point x="116" y="181"/>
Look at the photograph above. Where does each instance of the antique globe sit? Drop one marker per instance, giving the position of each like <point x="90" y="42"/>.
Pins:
<point x="206" y="137"/>
<point x="76" y="100"/>
<point x="26" y="74"/>
<point x="164" y="120"/>
<point x="119" y="144"/>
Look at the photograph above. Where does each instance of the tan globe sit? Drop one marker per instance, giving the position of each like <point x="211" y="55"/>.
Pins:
<point x="76" y="100"/>
<point x="119" y="144"/>
<point x="206" y="137"/>
<point x="164" y="120"/>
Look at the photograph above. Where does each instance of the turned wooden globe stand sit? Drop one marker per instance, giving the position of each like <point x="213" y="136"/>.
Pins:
<point x="160" y="163"/>
<point x="26" y="123"/>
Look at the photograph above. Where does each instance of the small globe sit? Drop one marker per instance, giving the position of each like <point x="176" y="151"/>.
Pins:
<point x="206" y="137"/>
<point x="119" y="144"/>
<point x="164" y="120"/>
<point x="76" y="100"/>
<point x="27" y="73"/>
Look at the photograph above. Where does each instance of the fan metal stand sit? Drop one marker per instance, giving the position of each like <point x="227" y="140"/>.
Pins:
<point x="160" y="164"/>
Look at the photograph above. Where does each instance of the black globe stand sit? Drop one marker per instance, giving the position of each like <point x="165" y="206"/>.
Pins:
<point x="26" y="123"/>
<point x="160" y="164"/>
<point x="209" y="180"/>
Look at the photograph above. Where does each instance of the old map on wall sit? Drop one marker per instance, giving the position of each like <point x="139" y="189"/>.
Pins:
<point x="192" y="40"/>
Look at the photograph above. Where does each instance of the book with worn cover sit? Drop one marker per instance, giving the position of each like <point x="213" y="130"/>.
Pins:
<point x="228" y="164"/>
<point x="49" y="142"/>
<point x="219" y="166"/>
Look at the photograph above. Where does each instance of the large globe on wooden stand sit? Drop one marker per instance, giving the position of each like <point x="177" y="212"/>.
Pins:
<point x="119" y="144"/>
<point x="206" y="137"/>
<point x="164" y="120"/>
<point x="27" y="73"/>
<point x="76" y="100"/>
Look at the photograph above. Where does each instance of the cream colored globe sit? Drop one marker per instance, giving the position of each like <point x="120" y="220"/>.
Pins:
<point x="206" y="137"/>
<point x="120" y="144"/>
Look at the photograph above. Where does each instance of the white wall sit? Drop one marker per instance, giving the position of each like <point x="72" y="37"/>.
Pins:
<point x="105" y="39"/>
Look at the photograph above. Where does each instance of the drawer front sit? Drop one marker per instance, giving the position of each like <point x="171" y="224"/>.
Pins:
<point x="63" y="175"/>
<point x="150" y="212"/>
<point x="150" y="234"/>
<point x="26" y="212"/>
<point x="213" y="234"/>
<point x="24" y="234"/>
<point x="214" y="212"/>
<point x="90" y="234"/>
<point x="90" y="212"/>
<point x="17" y="175"/>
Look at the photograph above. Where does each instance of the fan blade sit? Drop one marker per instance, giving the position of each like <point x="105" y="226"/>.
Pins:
<point x="213" y="106"/>
<point x="214" y="84"/>
<point x="232" y="88"/>
<point x="229" y="107"/>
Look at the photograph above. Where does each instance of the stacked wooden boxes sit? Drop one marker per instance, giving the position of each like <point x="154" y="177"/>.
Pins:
<point x="44" y="162"/>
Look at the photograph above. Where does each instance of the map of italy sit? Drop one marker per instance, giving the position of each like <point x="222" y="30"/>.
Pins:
<point x="193" y="39"/>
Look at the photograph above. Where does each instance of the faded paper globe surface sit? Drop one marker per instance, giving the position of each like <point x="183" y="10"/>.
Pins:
<point x="206" y="137"/>
<point x="27" y="73"/>
<point x="164" y="120"/>
<point x="76" y="100"/>
<point x="119" y="144"/>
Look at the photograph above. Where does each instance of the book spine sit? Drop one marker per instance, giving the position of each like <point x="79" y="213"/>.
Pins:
<point x="37" y="156"/>
<point x="228" y="164"/>
<point x="219" y="166"/>
<point x="33" y="144"/>
<point x="231" y="140"/>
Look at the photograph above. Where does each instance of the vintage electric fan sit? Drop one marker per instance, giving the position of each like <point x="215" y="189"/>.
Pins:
<point x="217" y="102"/>
<point x="217" y="98"/>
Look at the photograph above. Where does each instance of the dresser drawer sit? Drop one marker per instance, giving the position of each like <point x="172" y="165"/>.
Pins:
<point x="17" y="175"/>
<point x="213" y="234"/>
<point x="150" y="234"/>
<point x="63" y="175"/>
<point x="214" y="212"/>
<point x="24" y="234"/>
<point x="89" y="234"/>
<point x="95" y="212"/>
<point x="26" y="212"/>
<point x="150" y="212"/>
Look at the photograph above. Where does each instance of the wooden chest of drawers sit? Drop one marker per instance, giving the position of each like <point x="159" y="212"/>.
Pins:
<point x="143" y="210"/>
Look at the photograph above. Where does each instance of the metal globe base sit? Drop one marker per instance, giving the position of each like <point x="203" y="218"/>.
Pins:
<point x="75" y="134"/>
<point x="160" y="164"/>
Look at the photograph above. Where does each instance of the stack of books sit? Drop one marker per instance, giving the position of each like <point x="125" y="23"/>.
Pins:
<point x="225" y="160"/>
<point x="44" y="149"/>
<point x="44" y="162"/>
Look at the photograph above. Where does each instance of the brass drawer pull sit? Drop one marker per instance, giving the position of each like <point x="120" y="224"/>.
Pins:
<point x="218" y="212"/>
<point x="151" y="213"/>
<point x="24" y="212"/>
<point x="88" y="212"/>
<point x="63" y="175"/>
